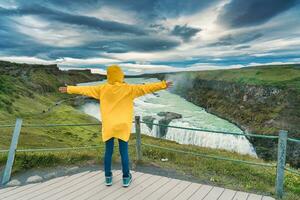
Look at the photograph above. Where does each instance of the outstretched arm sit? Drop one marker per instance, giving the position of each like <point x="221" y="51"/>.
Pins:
<point x="142" y="89"/>
<point x="91" y="91"/>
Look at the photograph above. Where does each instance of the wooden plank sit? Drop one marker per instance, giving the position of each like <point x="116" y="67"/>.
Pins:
<point x="131" y="192"/>
<point x="59" y="190"/>
<point x="161" y="191"/>
<point x="20" y="189"/>
<point x="90" y="185"/>
<point x="112" y="189"/>
<point x="214" y="193"/>
<point x="43" y="184"/>
<point x="6" y="189"/>
<point x="201" y="193"/>
<point x="254" y="197"/>
<point x="122" y="191"/>
<point x="100" y="181"/>
<point x="267" y="198"/>
<point x="171" y="194"/>
<point x="43" y="192"/>
<point x="12" y="193"/>
<point x="149" y="190"/>
<point x="35" y="189"/>
<point x="240" y="196"/>
<point x="188" y="192"/>
<point x="99" y="186"/>
<point x="75" y="187"/>
<point x="119" y="190"/>
<point x="227" y="195"/>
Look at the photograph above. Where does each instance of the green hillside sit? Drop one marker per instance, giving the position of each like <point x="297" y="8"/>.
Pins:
<point x="282" y="76"/>
<point x="30" y="92"/>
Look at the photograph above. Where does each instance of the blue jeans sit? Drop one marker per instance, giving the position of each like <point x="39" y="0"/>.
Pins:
<point x="109" y="148"/>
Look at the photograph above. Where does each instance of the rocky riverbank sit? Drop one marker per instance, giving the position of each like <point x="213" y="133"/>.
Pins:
<point x="256" y="109"/>
<point x="166" y="118"/>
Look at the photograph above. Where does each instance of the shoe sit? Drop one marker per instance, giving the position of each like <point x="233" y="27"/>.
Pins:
<point x="108" y="180"/>
<point x="127" y="181"/>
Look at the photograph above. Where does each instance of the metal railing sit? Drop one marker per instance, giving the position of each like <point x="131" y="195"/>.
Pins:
<point x="280" y="166"/>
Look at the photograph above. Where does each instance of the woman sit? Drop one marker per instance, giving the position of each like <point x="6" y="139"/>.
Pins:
<point x="116" y="106"/>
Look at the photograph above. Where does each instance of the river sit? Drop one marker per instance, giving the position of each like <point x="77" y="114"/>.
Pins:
<point x="192" y="116"/>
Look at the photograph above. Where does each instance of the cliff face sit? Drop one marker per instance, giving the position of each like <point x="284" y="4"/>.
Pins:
<point x="255" y="108"/>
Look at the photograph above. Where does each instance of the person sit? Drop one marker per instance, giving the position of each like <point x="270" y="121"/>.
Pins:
<point x="116" y="107"/>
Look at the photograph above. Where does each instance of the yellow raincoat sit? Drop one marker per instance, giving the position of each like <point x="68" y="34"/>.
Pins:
<point x="116" y="101"/>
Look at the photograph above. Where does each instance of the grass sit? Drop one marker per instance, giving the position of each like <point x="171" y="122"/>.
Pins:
<point x="282" y="76"/>
<point x="19" y="99"/>
<point x="51" y="136"/>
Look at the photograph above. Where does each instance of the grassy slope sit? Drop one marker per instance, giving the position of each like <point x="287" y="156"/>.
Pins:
<point x="287" y="76"/>
<point x="29" y="97"/>
<point x="29" y="104"/>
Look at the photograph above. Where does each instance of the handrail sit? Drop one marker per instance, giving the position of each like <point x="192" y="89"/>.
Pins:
<point x="292" y="171"/>
<point x="171" y="126"/>
<point x="57" y="125"/>
<point x="6" y="125"/>
<point x="58" y="148"/>
<point x="6" y="122"/>
<point x="213" y="131"/>
<point x="210" y="156"/>
<point x="294" y="140"/>
<point x="282" y="139"/>
<point x="4" y="150"/>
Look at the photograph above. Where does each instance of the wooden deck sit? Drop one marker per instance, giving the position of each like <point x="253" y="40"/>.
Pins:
<point x="90" y="185"/>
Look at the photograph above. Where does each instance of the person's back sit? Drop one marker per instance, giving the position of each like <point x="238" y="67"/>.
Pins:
<point x="116" y="107"/>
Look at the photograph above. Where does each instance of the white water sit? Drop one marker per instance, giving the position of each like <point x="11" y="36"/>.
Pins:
<point x="192" y="116"/>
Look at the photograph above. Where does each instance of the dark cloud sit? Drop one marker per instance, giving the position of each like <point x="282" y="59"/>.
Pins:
<point x="152" y="43"/>
<point x="242" y="47"/>
<point x="79" y="20"/>
<point x="147" y="10"/>
<point x="185" y="32"/>
<point x="15" y="43"/>
<point x="158" y="28"/>
<point x="151" y="10"/>
<point x="236" y="39"/>
<point x="250" y="38"/>
<point x="78" y="52"/>
<point x="141" y="44"/>
<point x="239" y="13"/>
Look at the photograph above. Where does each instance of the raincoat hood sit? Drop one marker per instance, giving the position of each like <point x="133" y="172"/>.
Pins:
<point x="115" y="74"/>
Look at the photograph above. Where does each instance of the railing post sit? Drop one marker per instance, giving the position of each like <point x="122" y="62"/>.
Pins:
<point x="12" y="151"/>
<point x="282" y="140"/>
<point x="138" y="137"/>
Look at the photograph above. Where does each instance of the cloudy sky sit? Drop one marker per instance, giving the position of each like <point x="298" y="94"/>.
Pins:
<point x="150" y="35"/>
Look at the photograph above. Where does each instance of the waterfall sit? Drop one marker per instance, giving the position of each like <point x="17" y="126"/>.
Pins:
<point x="192" y="117"/>
<point x="235" y="143"/>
